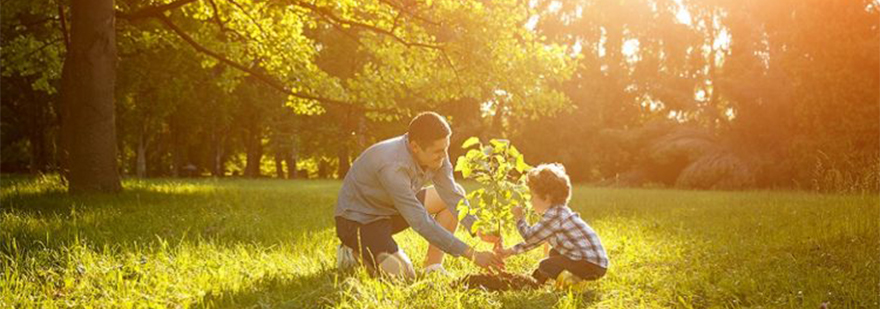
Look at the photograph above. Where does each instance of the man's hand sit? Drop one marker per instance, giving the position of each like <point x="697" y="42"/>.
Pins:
<point x="485" y="259"/>
<point x="503" y="253"/>
<point x="517" y="212"/>
<point x="493" y="239"/>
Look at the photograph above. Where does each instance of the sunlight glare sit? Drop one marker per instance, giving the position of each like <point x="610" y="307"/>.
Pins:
<point x="631" y="49"/>
<point x="682" y="15"/>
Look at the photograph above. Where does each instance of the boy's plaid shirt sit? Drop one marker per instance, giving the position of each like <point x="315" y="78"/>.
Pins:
<point x="566" y="232"/>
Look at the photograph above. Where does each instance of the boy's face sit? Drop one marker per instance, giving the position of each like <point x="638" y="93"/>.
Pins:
<point x="431" y="157"/>
<point x="539" y="204"/>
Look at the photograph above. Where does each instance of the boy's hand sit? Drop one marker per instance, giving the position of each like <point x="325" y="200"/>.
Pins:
<point x="485" y="259"/>
<point x="517" y="212"/>
<point x="503" y="253"/>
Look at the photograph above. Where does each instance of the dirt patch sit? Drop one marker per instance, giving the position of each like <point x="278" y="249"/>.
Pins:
<point x="502" y="281"/>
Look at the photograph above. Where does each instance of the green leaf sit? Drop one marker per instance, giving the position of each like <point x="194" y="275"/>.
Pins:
<point x="521" y="165"/>
<point x="499" y="142"/>
<point x="474" y="154"/>
<point x="487" y="150"/>
<point x="476" y="226"/>
<point x="473" y="140"/>
<point x="461" y="165"/>
<point x="514" y="152"/>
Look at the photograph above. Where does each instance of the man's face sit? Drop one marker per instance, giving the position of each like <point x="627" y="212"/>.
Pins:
<point x="432" y="156"/>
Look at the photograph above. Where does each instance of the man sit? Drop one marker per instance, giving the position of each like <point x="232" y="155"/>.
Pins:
<point x="383" y="194"/>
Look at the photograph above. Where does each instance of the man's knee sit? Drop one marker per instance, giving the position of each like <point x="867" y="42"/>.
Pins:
<point x="396" y="265"/>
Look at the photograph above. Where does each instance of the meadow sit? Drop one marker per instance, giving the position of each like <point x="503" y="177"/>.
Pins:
<point x="230" y="243"/>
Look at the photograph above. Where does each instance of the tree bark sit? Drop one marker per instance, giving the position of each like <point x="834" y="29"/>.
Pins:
<point x="87" y="95"/>
<point x="279" y="165"/>
<point x="218" y="141"/>
<point x="141" y="169"/>
<point x="253" y="143"/>
<point x="344" y="164"/>
<point x="291" y="163"/>
<point x="177" y="152"/>
<point x="38" y="151"/>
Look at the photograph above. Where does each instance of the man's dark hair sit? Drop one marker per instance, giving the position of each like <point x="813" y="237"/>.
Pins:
<point x="428" y="127"/>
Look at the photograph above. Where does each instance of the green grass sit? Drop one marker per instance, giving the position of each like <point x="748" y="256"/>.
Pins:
<point x="271" y="243"/>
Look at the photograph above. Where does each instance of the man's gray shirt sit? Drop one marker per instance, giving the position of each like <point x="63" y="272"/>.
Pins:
<point x="383" y="181"/>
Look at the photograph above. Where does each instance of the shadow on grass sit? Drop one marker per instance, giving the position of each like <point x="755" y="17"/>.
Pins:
<point x="316" y="290"/>
<point x="324" y="289"/>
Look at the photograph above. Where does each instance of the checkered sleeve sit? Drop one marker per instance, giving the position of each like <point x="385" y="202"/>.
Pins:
<point x="535" y="235"/>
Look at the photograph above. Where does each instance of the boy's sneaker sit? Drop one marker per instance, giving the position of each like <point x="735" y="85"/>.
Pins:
<point x="567" y="280"/>
<point x="436" y="268"/>
<point x="345" y="258"/>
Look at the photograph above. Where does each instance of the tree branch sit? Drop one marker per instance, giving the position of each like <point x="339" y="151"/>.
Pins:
<point x="253" y="21"/>
<point x="330" y="17"/>
<point x="335" y="21"/>
<point x="152" y="11"/>
<point x="269" y="81"/>
<point x="221" y="24"/>
<point x="410" y="13"/>
<point x="39" y="49"/>
<point x="63" y="24"/>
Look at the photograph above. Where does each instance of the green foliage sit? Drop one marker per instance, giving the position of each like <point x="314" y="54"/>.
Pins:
<point x="550" y="75"/>
<point x="500" y="169"/>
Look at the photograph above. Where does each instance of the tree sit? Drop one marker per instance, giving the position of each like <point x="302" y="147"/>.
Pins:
<point x="88" y="128"/>
<point x="501" y="170"/>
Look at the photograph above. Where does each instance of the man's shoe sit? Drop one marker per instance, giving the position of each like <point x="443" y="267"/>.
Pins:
<point x="345" y="258"/>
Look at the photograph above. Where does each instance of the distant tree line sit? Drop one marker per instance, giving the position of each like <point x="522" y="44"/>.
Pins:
<point x="710" y="94"/>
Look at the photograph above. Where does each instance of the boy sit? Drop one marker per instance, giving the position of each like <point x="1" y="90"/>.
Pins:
<point x="575" y="246"/>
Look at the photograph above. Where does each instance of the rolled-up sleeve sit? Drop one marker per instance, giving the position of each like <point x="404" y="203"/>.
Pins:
<point x="396" y="182"/>
<point x="535" y="235"/>
<point x="451" y="194"/>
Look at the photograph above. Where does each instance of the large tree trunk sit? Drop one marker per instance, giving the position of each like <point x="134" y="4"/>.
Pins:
<point x="87" y="90"/>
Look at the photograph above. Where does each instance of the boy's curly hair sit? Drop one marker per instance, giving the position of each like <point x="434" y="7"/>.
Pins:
<point x="550" y="181"/>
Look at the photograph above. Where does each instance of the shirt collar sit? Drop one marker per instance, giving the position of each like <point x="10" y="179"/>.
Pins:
<point x="556" y="208"/>
<point x="412" y="156"/>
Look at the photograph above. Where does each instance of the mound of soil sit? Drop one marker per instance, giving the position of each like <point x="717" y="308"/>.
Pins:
<point x="502" y="281"/>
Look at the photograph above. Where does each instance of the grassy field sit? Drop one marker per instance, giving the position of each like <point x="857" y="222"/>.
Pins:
<point x="270" y="243"/>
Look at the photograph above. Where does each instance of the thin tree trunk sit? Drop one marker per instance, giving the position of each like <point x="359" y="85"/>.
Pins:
<point x="254" y="154"/>
<point x="37" y="134"/>
<point x="218" y="149"/>
<point x="176" y="152"/>
<point x="712" y="110"/>
<point x="344" y="164"/>
<point x="37" y="151"/>
<point x="291" y="164"/>
<point x="141" y="161"/>
<point x="361" y="133"/>
<point x="87" y="94"/>
<point x="279" y="165"/>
